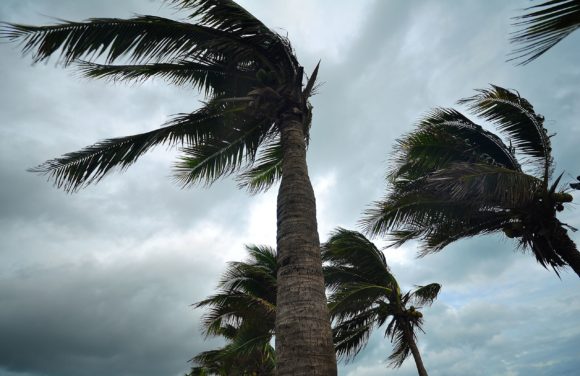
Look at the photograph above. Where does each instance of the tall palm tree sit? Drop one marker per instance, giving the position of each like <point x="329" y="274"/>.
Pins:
<point x="243" y="312"/>
<point x="255" y="124"/>
<point x="365" y="295"/>
<point x="452" y="179"/>
<point x="543" y="26"/>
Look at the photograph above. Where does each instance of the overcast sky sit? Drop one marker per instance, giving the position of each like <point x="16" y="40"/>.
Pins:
<point x="100" y="282"/>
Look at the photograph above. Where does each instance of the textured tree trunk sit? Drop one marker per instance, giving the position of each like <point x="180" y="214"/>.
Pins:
<point x="303" y="337"/>
<point x="415" y="351"/>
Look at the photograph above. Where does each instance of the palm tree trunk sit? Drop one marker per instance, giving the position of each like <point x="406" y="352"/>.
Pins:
<point x="303" y="337"/>
<point x="566" y="248"/>
<point x="415" y="350"/>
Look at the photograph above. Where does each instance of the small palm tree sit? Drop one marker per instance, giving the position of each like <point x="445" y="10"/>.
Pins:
<point x="364" y="294"/>
<point x="239" y="357"/>
<point x="452" y="179"/>
<point x="255" y="123"/>
<point x="544" y="26"/>
<point x="243" y="312"/>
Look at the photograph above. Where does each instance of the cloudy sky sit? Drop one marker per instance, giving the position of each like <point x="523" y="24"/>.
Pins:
<point x="100" y="282"/>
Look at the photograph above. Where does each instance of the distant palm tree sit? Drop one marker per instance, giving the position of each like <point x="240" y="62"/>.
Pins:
<point x="364" y="294"/>
<point x="452" y="179"/>
<point x="544" y="26"/>
<point x="255" y="124"/>
<point x="243" y="312"/>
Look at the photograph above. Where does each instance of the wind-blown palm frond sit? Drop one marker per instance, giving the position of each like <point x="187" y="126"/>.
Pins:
<point x="425" y="295"/>
<point x="542" y="27"/>
<point x="451" y="179"/>
<point x="491" y="186"/>
<point x="214" y="79"/>
<point x="365" y="295"/>
<point x="445" y="136"/>
<point x="140" y="39"/>
<point x="89" y="165"/>
<point x="266" y="170"/>
<point x="515" y="117"/>
<point x="230" y="17"/>
<point x="355" y="259"/>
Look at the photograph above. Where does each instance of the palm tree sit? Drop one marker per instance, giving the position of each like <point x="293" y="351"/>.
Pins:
<point x="544" y="26"/>
<point x="255" y="124"/>
<point x="452" y="179"/>
<point x="239" y="357"/>
<point x="365" y="295"/>
<point x="243" y="312"/>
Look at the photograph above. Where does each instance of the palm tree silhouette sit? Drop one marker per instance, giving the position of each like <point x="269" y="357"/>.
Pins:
<point x="364" y="294"/>
<point x="452" y="179"/>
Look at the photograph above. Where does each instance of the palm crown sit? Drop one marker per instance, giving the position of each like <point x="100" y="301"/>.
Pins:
<point x="364" y="294"/>
<point x="248" y="73"/>
<point x="452" y="179"/>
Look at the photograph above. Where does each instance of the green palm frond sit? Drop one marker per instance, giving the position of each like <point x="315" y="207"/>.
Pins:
<point x="78" y="169"/>
<point x="441" y="234"/>
<point x="214" y="79"/>
<point x="266" y="170"/>
<point x="425" y="295"/>
<point x="445" y="136"/>
<point x="139" y="39"/>
<point x="232" y="308"/>
<point x="351" y="335"/>
<point x="350" y="299"/>
<point x="491" y="186"/>
<point x="416" y="208"/>
<point x="231" y="18"/>
<point x="542" y="27"/>
<point x="219" y="156"/>
<point x="515" y="117"/>
<point x="350" y="250"/>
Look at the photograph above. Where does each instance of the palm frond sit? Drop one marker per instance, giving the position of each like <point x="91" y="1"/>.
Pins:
<point x="425" y="295"/>
<point x="542" y="27"/>
<point x="140" y="39"/>
<point x="221" y="156"/>
<point x="491" y="186"/>
<point x="441" y="234"/>
<point x="416" y="208"/>
<point x="214" y="79"/>
<point x="265" y="171"/>
<point x="231" y="18"/>
<point x="350" y="249"/>
<point x="515" y="117"/>
<point x="78" y="169"/>
<point x="310" y="85"/>
<point x="350" y="299"/>
<point x="351" y="335"/>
